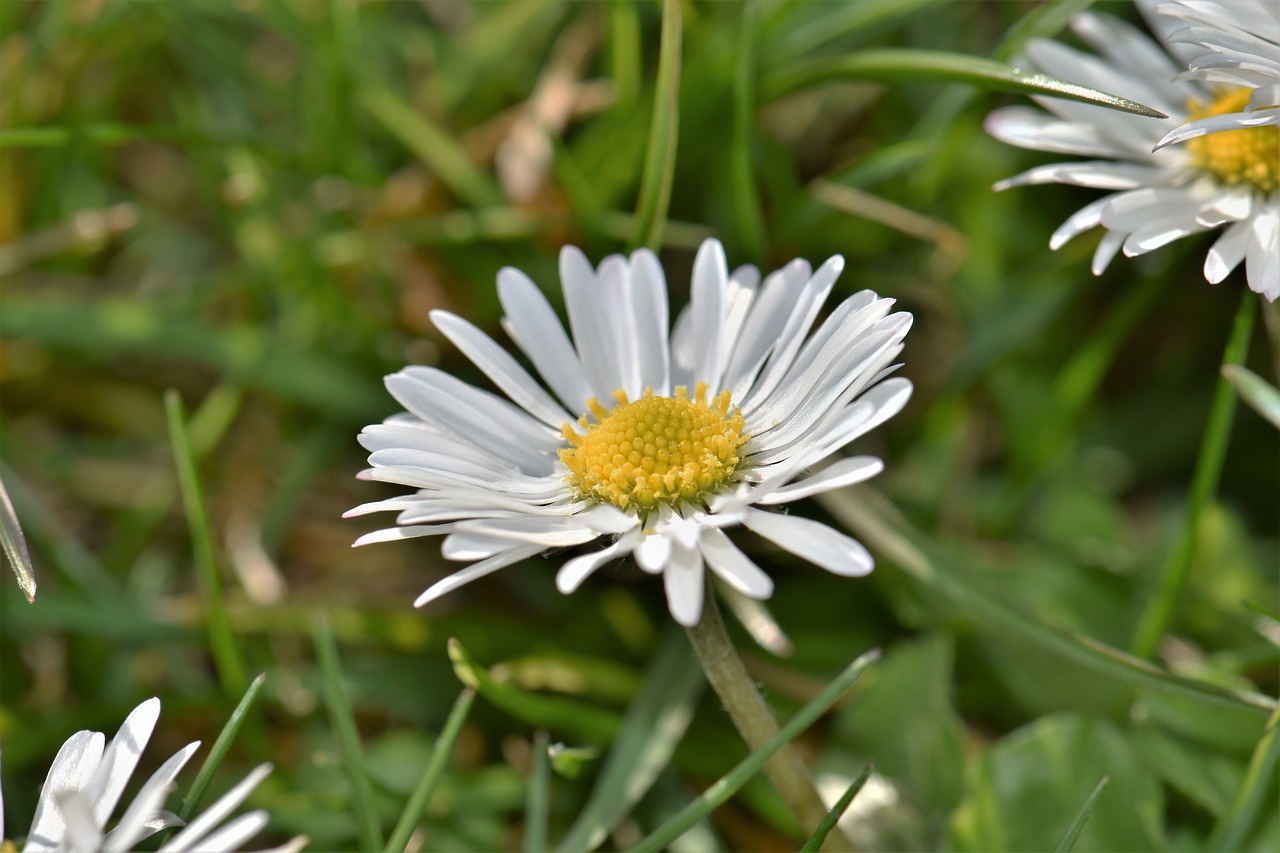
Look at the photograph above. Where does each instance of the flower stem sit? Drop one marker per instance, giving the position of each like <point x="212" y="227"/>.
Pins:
<point x="755" y="722"/>
<point x="1159" y="611"/>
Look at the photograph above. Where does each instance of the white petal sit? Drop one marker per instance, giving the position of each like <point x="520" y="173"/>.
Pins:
<point x="210" y="817"/>
<point x="72" y="768"/>
<point x="499" y="366"/>
<point x="775" y="301"/>
<point x="733" y="566"/>
<point x="235" y="833"/>
<point x="81" y="832"/>
<point x="1227" y="252"/>
<point x="1262" y="259"/>
<point x="537" y="331"/>
<point x="1106" y="251"/>
<point x="684" y="585"/>
<point x="394" y="534"/>
<point x="574" y="572"/>
<point x="652" y="317"/>
<point x="653" y="552"/>
<point x="120" y="759"/>
<point x="1219" y="123"/>
<point x="1139" y="208"/>
<point x="845" y="472"/>
<point x="590" y="321"/>
<point x="710" y="274"/>
<point x="812" y="541"/>
<point x="1079" y="222"/>
<point x="1159" y="233"/>
<point x="1099" y="174"/>
<point x="1027" y="127"/>
<point x="133" y="825"/>
<point x="476" y="571"/>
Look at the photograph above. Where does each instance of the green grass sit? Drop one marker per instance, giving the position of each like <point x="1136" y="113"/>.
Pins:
<point x="251" y="208"/>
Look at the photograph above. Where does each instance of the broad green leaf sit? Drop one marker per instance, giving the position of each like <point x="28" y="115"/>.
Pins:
<point x="1030" y="784"/>
<point x="906" y="64"/>
<point x="904" y="719"/>
<point x="651" y="729"/>
<point x="874" y="521"/>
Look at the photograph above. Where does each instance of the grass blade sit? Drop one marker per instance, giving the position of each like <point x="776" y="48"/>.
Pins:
<point x="1233" y="828"/>
<point x="344" y="729"/>
<point x="535" y="812"/>
<point x="660" y="160"/>
<point x="440" y="753"/>
<point x="583" y="720"/>
<point x="651" y="729"/>
<point x="1073" y="832"/>
<point x="1261" y="396"/>
<point x="837" y="811"/>
<point x="899" y="64"/>
<point x="15" y="546"/>
<point x="881" y="529"/>
<point x="434" y="147"/>
<point x="1160" y="609"/>
<point x="725" y="787"/>
<point x="1044" y="21"/>
<point x="220" y="748"/>
<point x="222" y="644"/>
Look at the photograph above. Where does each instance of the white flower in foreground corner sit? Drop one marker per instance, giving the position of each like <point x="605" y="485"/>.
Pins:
<point x="85" y="783"/>
<point x="1231" y="177"/>
<point x="656" y="442"/>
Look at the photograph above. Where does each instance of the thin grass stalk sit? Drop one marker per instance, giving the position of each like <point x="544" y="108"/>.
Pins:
<point x="343" y="721"/>
<point x="220" y="748"/>
<point x="1159" y="611"/>
<point x="1233" y="828"/>
<point x="753" y="719"/>
<point x="660" y="159"/>
<point x="837" y="811"/>
<point x="222" y="644"/>
<point x="440" y="754"/>
<point x="725" y="787"/>
<point x="539" y="798"/>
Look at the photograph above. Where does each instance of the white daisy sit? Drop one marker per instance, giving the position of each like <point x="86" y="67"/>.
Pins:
<point x="653" y="441"/>
<point x="1230" y="178"/>
<point x="88" y="776"/>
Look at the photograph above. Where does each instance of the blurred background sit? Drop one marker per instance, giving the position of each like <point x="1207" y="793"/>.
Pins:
<point x="256" y="203"/>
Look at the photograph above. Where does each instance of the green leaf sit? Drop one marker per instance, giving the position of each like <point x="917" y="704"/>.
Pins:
<point x="651" y="729"/>
<point x="660" y="160"/>
<point x="905" y="64"/>
<point x="904" y="718"/>
<point x="555" y="713"/>
<point x="1030" y="784"/>
<point x="536" y="806"/>
<point x="1044" y="21"/>
<point x="725" y="787"/>
<point x="879" y="526"/>
<point x="1262" y="397"/>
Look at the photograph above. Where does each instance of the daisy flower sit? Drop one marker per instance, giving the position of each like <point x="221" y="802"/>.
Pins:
<point x="88" y="777"/>
<point x="654" y="440"/>
<point x="1230" y="178"/>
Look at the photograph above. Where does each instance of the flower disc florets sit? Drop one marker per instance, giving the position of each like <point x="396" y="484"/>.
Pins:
<point x="1234" y="157"/>
<point x="656" y="449"/>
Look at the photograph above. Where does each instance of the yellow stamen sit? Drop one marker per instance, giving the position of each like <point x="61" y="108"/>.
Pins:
<point x="656" y="449"/>
<point x="1248" y="156"/>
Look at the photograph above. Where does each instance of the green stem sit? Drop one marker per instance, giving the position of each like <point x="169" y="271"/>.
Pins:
<point x="1159" y="611"/>
<point x="660" y="161"/>
<point x="755" y="722"/>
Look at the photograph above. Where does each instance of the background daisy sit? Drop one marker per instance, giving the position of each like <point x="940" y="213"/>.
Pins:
<point x="1160" y="195"/>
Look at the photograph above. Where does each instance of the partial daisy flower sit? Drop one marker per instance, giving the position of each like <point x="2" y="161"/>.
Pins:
<point x="1230" y="178"/>
<point x="655" y="441"/>
<point x="88" y="777"/>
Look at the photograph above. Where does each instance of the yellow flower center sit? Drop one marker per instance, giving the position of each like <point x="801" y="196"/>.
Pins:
<point x="1248" y="156"/>
<point x="655" y="450"/>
